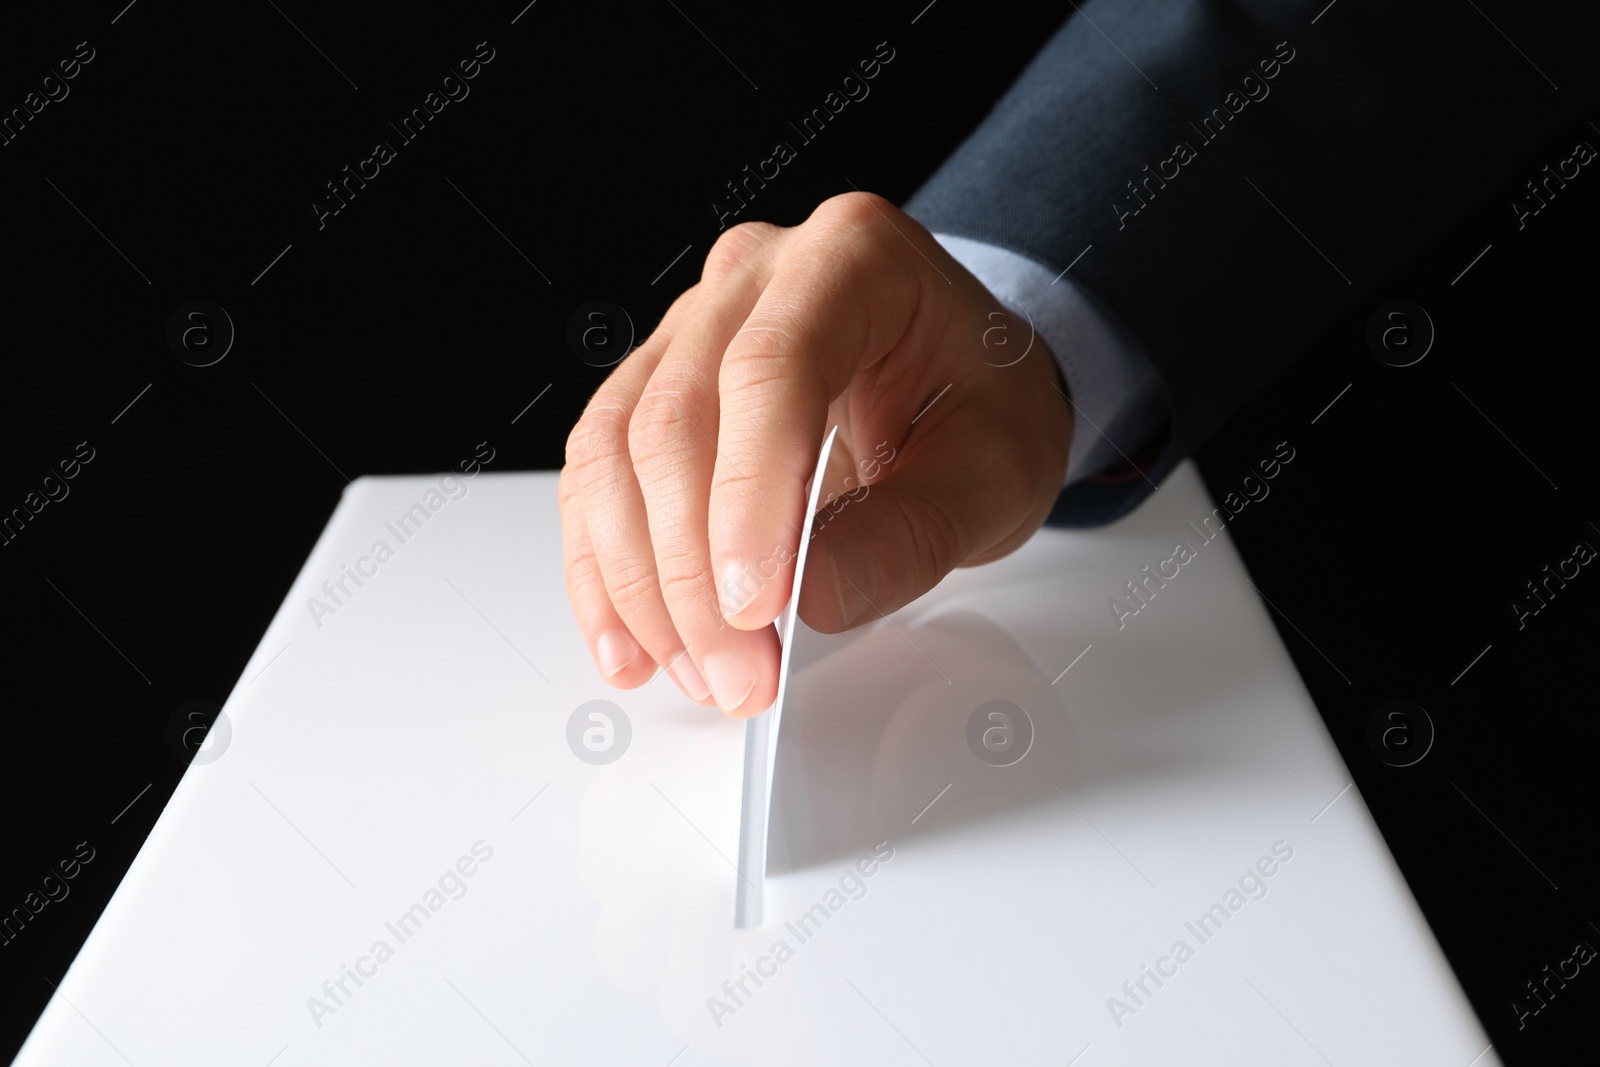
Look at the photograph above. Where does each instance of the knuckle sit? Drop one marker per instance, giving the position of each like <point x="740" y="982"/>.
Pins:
<point x="735" y="247"/>
<point x="856" y="210"/>
<point x="775" y="332"/>
<point x="733" y="480"/>
<point x="632" y="586"/>
<point x="681" y="305"/>
<point x="877" y="247"/>
<point x="566" y="487"/>
<point x="595" y="438"/>
<point x="585" y="582"/>
<point x="658" y="427"/>
<point x="682" y="586"/>
<point x="762" y="358"/>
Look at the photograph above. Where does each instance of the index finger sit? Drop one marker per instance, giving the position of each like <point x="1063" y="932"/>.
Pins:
<point x="840" y="298"/>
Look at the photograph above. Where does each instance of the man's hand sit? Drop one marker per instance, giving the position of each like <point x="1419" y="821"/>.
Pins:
<point x="683" y="495"/>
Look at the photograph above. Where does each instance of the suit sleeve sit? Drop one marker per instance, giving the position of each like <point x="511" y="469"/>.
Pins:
<point x="1113" y="388"/>
<point x="1234" y="176"/>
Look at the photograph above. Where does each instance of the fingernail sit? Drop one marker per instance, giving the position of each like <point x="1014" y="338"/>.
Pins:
<point x="617" y="651"/>
<point x="731" y="679"/>
<point x="683" y="671"/>
<point x="739" y="585"/>
<point x="855" y="580"/>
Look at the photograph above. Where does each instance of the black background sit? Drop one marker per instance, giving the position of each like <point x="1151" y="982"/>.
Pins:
<point x="427" y="315"/>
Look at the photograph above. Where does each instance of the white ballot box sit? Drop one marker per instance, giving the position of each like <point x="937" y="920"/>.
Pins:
<point x="1010" y="825"/>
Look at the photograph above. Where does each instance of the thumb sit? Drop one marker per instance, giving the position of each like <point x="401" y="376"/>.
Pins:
<point x="953" y="500"/>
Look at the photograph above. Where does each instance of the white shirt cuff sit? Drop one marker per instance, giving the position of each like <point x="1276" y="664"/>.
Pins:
<point x="1115" y="390"/>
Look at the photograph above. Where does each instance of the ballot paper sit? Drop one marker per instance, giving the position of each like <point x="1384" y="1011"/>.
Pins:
<point x="1007" y="826"/>
<point x="761" y="734"/>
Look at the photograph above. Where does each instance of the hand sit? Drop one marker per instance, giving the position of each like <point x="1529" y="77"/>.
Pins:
<point x="691" y="460"/>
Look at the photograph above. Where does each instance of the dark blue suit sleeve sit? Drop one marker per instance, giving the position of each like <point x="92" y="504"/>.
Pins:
<point x="1245" y="176"/>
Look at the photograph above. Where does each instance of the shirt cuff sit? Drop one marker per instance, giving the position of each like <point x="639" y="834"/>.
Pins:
<point x="1116" y="393"/>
